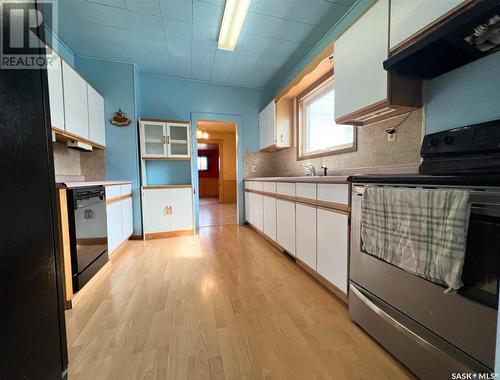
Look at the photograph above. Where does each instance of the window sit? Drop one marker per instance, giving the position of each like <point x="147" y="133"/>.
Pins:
<point x="202" y="163"/>
<point x="319" y="135"/>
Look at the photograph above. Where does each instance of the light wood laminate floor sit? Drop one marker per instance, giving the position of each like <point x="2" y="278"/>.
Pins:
<point x="223" y="304"/>
<point x="213" y="213"/>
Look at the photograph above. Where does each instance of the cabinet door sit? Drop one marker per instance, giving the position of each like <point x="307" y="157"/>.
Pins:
<point x="114" y="224"/>
<point x="306" y="234"/>
<point x="56" y="99"/>
<point x="179" y="142"/>
<point x="333" y="252"/>
<point x="127" y="218"/>
<point x="408" y="18"/>
<point x="285" y="225"/>
<point x="97" y="131"/>
<point x="181" y="202"/>
<point x="271" y="124"/>
<point x="262" y="129"/>
<point x="247" y="206"/>
<point x="76" y="112"/>
<point x="153" y="141"/>
<point x="155" y="210"/>
<point x="270" y="217"/>
<point x="258" y="211"/>
<point x="360" y="78"/>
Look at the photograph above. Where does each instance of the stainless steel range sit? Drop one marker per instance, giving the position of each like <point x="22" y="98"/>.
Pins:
<point x="436" y="334"/>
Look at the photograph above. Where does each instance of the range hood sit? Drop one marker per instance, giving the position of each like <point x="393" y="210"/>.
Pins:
<point x="79" y="145"/>
<point x="466" y="37"/>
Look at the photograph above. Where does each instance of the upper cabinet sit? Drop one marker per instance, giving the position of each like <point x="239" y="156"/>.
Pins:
<point x="409" y="19"/>
<point x="56" y="99"/>
<point x="97" y="123"/>
<point x="76" y="111"/>
<point x="364" y="91"/>
<point x="275" y="125"/>
<point x="165" y="140"/>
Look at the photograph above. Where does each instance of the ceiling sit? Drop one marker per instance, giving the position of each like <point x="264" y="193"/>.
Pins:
<point x="179" y="37"/>
<point x="216" y="126"/>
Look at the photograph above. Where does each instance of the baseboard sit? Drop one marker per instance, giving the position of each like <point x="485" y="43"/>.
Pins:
<point x="311" y="272"/>
<point x="168" y="234"/>
<point x="135" y="237"/>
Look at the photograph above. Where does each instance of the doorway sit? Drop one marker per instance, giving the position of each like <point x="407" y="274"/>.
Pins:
<point x="216" y="172"/>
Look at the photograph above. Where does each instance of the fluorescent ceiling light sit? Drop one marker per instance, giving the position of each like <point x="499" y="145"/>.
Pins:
<point x="235" y="12"/>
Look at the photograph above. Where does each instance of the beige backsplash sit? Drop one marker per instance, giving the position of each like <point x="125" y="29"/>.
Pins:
<point x="374" y="153"/>
<point x="70" y="162"/>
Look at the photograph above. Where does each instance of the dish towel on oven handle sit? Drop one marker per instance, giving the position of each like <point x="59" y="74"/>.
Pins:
<point x="423" y="231"/>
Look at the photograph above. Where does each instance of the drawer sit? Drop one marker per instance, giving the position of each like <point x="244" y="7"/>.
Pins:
<point x="270" y="187"/>
<point x="126" y="189"/>
<point x="334" y="193"/>
<point x="305" y="190"/>
<point x="112" y="191"/>
<point x="285" y="188"/>
<point x="248" y="185"/>
<point x="259" y="186"/>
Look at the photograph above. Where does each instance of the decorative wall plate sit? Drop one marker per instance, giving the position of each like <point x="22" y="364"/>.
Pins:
<point x="120" y="119"/>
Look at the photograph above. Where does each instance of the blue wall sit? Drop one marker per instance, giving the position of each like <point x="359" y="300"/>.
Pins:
<point x="469" y="94"/>
<point x="60" y="47"/>
<point x="115" y="81"/>
<point x="168" y="172"/>
<point x="178" y="99"/>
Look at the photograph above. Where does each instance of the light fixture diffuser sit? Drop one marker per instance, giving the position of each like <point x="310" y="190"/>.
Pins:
<point x="235" y="12"/>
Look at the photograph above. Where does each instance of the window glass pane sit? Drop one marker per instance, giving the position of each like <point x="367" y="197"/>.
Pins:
<point x="202" y="163"/>
<point x="320" y="132"/>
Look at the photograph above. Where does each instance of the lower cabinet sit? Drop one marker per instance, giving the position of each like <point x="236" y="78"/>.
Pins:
<point x="333" y="248"/>
<point x="285" y="225"/>
<point x="167" y="209"/>
<point x="270" y="217"/>
<point x="248" y="207"/>
<point x="120" y="221"/>
<point x="258" y="213"/>
<point x="305" y="223"/>
<point x="114" y="224"/>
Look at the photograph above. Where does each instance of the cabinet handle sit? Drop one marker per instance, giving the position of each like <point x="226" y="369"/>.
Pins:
<point x="167" y="138"/>
<point x="165" y="211"/>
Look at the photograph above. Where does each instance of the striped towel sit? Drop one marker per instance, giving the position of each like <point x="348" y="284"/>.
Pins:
<point x="421" y="231"/>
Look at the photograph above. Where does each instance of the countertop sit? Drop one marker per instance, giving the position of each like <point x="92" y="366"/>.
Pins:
<point x="77" y="184"/>
<point x="310" y="179"/>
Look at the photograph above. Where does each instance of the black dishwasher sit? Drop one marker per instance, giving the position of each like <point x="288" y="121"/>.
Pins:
<point x="88" y="233"/>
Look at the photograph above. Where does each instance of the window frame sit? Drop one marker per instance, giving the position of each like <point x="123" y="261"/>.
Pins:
<point x="208" y="163"/>
<point x="317" y="86"/>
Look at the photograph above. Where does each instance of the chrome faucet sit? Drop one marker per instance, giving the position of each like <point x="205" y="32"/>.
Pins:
<point x="310" y="168"/>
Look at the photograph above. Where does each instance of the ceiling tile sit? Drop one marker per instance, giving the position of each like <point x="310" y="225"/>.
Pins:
<point x="113" y="3"/>
<point x="144" y="6"/>
<point x="201" y="49"/>
<point x="125" y="37"/>
<point x="114" y="16"/>
<point x="177" y="9"/>
<point x="179" y="48"/>
<point x="292" y="31"/>
<point x="146" y="23"/>
<point x="78" y="10"/>
<point x="308" y="11"/>
<point x="280" y="47"/>
<point x="263" y="25"/>
<point x="201" y="70"/>
<point x="207" y="14"/>
<point x="95" y="32"/>
<point x="178" y="29"/>
<point x="276" y="8"/>
<point x="205" y="34"/>
<point x="254" y="43"/>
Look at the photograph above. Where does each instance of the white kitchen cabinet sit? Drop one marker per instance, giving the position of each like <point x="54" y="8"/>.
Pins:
<point x="270" y="217"/>
<point x="364" y="91"/>
<point x="127" y="218"/>
<point x="248" y="206"/>
<point x="56" y="97"/>
<point x="411" y="18"/>
<point x="115" y="225"/>
<point x="333" y="248"/>
<point x="97" y="131"/>
<point x="285" y="225"/>
<point x="306" y="190"/>
<point x="337" y="193"/>
<point x="165" y="140"/>
<point x="305" y="248"/>
<point x="181" y="203"/>
<point x="267" y="126"/>
<point x="76" y="113"/>
<point x="258" y="211"/>
<point x="167" y="209"/>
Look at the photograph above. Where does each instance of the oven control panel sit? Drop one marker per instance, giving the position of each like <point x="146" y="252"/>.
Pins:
<point x="477" y="138"/>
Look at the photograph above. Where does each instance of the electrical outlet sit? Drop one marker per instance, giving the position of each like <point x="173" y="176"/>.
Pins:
<point x="391" y="137"/>
<point x="254" y="169"/>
